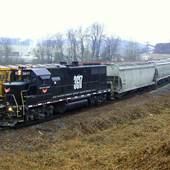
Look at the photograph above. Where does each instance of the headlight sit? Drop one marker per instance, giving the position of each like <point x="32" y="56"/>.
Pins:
<point x="10" y="109"/>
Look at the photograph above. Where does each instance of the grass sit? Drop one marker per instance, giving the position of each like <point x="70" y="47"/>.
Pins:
<point x="130" y="134"/>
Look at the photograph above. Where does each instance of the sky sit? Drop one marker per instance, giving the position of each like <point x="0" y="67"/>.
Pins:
<point x="139" y="20"/>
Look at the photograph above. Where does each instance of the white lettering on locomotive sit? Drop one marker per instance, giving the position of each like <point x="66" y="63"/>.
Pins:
<point x="78" y="80"/>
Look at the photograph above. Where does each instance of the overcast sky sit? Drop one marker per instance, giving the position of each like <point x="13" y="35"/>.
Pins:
<point x="140" y="20"/>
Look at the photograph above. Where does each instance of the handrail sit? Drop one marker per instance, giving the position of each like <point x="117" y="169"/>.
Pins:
<point x="16" y="104"/>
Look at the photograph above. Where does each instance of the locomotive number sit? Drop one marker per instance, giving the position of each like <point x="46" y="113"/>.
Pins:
<point x="78" y="82"/>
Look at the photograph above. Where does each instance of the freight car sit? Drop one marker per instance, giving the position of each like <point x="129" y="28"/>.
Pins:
<point x="39" y="92"/>
<point x="126" y="77"/>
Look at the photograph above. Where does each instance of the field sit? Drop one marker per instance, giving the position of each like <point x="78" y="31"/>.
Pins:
<point x="127" y="134"/>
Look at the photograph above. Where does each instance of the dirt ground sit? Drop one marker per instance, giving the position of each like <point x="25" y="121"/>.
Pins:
<point x="128" y="134"/>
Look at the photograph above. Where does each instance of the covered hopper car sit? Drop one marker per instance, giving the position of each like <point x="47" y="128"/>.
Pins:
<point x="126" y="77"/>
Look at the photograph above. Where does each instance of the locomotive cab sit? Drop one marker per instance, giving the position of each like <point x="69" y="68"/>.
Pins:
<point x="20" y="82"/>
<point x="25" y="82"/>
<point x="40" y="92"/>
<point x="29" y="81"/>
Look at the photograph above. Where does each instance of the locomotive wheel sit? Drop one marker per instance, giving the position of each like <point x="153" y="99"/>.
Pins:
<point x="60" y="107"/>
<point x="49" y="111"/>
<point x="97" y="100"/>
<point x="92" y="100"/>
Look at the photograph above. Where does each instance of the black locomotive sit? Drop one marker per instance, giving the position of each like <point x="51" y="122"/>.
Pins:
<point x="38" y="92"/>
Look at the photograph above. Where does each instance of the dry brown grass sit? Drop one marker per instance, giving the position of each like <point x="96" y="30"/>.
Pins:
<point x="130" y="134"/>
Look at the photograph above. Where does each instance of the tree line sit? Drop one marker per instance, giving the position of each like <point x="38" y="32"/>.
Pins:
<point x="90" y="44"/>
<point x="7" y="54"/>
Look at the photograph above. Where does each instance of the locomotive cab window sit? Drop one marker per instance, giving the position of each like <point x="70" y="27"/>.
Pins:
<point x="44" y="80"/>
<point x="56" y="80"/>
<point x="43" y="76"/>
<point x="24" y="75"/>
<point x="2" y="77"/>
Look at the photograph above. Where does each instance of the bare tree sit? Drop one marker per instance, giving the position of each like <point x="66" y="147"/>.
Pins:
<point x="111" y="45"/>
<point x="82" y="36"/>
<point x="48" y="53"/>
<point x="39" y="52"/>
<point x="73" y="44"/>
<point x="96" y="36"/>
<point x="58" y="47"/>
<point x="132" y="51"/>
<point x="5" y="50"/>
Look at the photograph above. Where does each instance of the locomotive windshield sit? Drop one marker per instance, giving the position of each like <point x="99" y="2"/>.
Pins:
<point x="19" y="75"/>
<point x="31" y="75"/>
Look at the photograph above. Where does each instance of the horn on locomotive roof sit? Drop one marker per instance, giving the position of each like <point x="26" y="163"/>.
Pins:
<point x="63" y="62"/>
<point x="75" y="63"/>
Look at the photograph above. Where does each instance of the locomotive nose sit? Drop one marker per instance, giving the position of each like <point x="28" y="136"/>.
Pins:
<point x="13" y="90"/>
<point x="14" y="87"/>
